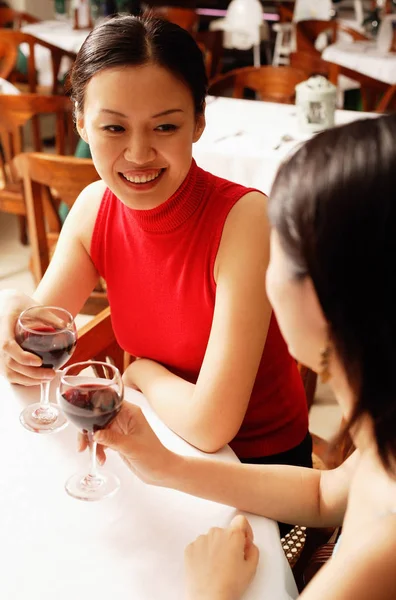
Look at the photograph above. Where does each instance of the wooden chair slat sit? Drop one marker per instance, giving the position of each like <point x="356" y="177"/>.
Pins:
<point x="274" y="84"/>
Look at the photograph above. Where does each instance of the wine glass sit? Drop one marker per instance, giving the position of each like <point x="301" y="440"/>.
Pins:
<point x="90" y="394"/>
<point x="50" y="333"/>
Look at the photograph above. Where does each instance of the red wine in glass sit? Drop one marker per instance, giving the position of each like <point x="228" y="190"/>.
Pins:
<point x="90" y="407"/>
<point x="90" y="394"/>
<point x="50" y="333"/>
<point x="55" y="347"/>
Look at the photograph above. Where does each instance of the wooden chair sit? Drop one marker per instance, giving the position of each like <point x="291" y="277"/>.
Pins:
<point x="308" y="31"/>
<point x="15" y="113"/>
<point x="211" y="42"/>
<point x="376" y="95"/>
<point x="14" y="18"/>
<point x="273" y="84"/>
<point x="48" y="180"/>
<point x="96" y="341"/>
<point x="8" y="58"/>
<point x="16" y="38"/>
<point x="310" y="63"/>
<point x="186" y="18"/>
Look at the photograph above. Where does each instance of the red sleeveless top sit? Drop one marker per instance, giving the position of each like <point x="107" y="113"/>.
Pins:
<point x="158" y="265"/>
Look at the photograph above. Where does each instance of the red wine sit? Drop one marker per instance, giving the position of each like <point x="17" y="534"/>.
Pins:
<point x="90" y="407"/>
<point x="53" y="346"/>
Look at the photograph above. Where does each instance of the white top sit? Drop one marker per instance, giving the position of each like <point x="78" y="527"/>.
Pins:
<point x="129" y="546"/>
<point x="245" y="141"/>
<point x="363" y="57"/>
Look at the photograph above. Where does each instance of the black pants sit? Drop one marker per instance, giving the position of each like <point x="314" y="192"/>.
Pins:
<point x="300" y="456"/>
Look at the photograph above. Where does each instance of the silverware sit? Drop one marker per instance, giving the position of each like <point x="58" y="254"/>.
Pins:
<point x="284" y="139"/>
<point x="229" y="135"/>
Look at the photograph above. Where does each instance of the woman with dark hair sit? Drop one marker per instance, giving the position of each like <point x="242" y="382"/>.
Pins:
<point x="183" y="253"/>
<point x="332" y="283"/>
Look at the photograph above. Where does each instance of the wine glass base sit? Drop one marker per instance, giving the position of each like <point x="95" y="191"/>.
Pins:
<point x="91" y="488"/>
<point x="43" y="419"/>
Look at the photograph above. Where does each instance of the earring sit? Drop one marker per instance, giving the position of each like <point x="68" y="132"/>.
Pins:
<point x="324" y="372"/>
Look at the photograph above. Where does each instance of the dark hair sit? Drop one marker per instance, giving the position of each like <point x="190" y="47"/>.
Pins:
<point x="333" y="205"/>
<point x="127" y="41"/>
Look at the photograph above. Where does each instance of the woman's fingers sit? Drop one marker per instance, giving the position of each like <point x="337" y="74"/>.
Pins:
<point x="16" y="369"/>
<point x="83" y="444"/>
<point x="240" y="523"/>
<point x="13" y="351"/>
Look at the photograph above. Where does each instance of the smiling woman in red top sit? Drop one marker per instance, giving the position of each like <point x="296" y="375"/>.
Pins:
<point x="184" y="253"/>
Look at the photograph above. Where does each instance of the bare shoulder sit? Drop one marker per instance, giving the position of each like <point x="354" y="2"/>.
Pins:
<point x="249" y="207"/>
<point x="82" y="216"/>
<point x="247" y="221"/>
<point x="364" y="569"/>
<point x="244" y="245"/>
<point x="90" y="198"/>
<point x="373" y="559"/>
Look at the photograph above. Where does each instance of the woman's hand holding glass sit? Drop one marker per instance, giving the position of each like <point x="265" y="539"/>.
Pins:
<point x="17" y="365"/>
<point x="91" y="394"/>
<point x="49" y="333"/>
<point x="132" y="437"/>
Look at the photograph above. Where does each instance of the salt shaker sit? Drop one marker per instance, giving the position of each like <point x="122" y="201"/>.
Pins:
<point x="316" y="104"/>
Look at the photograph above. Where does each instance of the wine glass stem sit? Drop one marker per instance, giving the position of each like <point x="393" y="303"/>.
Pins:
<point x="44" y="396"/>
<point x="93" y="471"/>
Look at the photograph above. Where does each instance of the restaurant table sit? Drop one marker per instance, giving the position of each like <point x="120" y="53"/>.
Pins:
<point x="129" y="546"/>
<point x="365" y="58"/>
<point x="245" y="141"/>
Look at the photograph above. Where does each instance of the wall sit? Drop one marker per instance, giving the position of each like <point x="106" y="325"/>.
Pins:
<point x="43" y="9"/>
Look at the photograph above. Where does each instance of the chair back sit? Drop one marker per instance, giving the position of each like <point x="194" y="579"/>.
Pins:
<point x="308" y="31"/>
<point x="187" y="18"/>
<point x="311" y="64"/>
<point x="14" y="18"/>
<point x="16" y="111"/>
<point x="96" y="341"/>
<point x="285" y="12"/>
<point x="8" y="58"/>
<point x="18" y="37"/>
<point x="211" y="44"/>
<point x="273" y="84"/>
<point x="48" y="180"/>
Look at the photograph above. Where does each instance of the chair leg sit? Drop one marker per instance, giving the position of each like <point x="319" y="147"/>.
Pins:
<point x="23" y="234"/>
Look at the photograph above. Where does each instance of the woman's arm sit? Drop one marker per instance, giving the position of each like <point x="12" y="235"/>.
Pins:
<point x="290" y="494"/>
<point x="71" y="275"/>
<point x="217" y="567"/>
<point x="68" y="281"/>
<point x="209" y="414"/>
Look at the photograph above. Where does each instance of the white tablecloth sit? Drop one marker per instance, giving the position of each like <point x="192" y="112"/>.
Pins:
<point x="363" y="57"/>
<point x="58" y="33"/>
<point x="243" y="139"/>
<point x="128" y="546"/>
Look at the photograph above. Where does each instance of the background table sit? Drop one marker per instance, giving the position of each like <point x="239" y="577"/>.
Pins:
<point x="129" y="546"/>
<point x="244" y="140"/>
<point x="363" y="57"/>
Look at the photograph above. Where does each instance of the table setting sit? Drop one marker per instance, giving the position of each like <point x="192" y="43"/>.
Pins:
<point x="246" y="140"/>
<point x="128" y="544"/>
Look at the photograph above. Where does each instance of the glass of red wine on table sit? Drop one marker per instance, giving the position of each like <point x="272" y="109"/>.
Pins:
<point x="50" y="333"/>
<point x="90" y="394"/>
